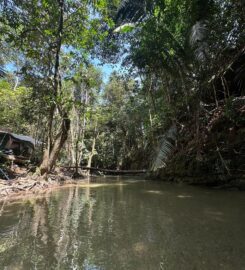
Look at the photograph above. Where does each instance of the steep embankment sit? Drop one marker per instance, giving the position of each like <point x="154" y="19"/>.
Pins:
<point x="217" y="157"/>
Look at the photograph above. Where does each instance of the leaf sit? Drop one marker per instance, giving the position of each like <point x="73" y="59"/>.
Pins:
<point x="125" y="28"/>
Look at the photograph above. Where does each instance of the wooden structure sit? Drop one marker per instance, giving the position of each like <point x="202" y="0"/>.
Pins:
<point x="17" y="148"/>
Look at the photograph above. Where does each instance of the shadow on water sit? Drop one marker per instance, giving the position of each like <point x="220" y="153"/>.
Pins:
<point x="124" y="224"/>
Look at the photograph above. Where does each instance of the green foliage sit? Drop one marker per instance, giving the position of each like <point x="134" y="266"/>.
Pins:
<point x="123" y="118"/>
<point x="53" y="38"/>
<point x="178" y="55"/>
<point x="11" y="106"/>
<point x="182" y="51"/>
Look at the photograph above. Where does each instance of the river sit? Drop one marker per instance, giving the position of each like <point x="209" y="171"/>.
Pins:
<point x="123" y="223"/>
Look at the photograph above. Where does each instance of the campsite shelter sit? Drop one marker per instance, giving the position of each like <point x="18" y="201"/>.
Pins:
<point x="15" y="147"/>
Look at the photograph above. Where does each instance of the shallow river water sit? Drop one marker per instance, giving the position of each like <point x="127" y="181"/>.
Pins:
<point x="121" y="223"/>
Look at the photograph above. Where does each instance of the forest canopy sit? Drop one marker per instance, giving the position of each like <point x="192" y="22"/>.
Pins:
<point x="173" y="103"/>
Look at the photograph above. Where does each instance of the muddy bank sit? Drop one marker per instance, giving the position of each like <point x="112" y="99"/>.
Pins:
<point x="35" y="185"/>
<point x="22" y="181"/>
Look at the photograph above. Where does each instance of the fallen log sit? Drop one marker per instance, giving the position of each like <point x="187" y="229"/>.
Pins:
<point x="107" y="170"/>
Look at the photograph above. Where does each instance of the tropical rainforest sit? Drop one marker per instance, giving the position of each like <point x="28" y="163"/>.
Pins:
<point x="128" y="85"/>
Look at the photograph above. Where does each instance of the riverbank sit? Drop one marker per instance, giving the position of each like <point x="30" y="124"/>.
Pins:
<point x="33" y="184"/>
<point x="217" y="156"/>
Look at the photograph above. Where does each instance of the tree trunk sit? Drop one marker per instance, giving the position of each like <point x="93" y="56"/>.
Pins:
<point x="54" y="146"/>
<point x="91" y="153"/>
<point x="72" y="148"/>
<point x="82" y="135"/>
<point x="197" y="116"/>
<point x="50" y="158"/>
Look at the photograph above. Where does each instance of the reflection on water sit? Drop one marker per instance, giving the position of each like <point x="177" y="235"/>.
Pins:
<point x="127" y="225"/>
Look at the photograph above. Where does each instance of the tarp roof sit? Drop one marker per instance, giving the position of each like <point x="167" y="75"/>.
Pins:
<point x="21" y="137"/>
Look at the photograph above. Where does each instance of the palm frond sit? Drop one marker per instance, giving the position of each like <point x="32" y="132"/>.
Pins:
<point x="198" y="32"/>
<point x="2" y="72"/>
<point x="133" y="11"/>
<point x="240" y="75"/>
<point x="197" y="40"/>
<point x="163" y="149"/>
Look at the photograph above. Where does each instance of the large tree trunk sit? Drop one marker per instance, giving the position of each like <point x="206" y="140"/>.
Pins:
<point x="50" y="158"/>
<point x="54" y="146"/>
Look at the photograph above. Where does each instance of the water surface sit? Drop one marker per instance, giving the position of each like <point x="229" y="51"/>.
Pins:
<point x="125" y="224"/>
